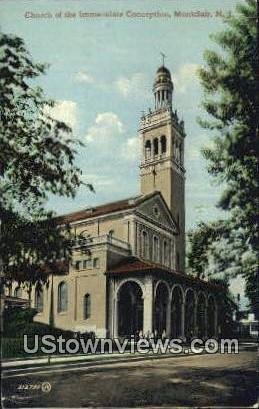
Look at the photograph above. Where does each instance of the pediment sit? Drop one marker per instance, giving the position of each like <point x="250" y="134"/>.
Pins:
<point x="155" y="209"/>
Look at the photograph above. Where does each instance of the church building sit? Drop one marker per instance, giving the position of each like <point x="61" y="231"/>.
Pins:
<point x="133" y="278"/>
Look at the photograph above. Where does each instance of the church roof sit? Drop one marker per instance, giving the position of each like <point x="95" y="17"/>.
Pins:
<point x="103" y="209"/>
<point x="96" y="211"/>
<point x="136" y="265"/>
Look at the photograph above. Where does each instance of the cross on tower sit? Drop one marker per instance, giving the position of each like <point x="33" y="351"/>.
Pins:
<point x="163" y="58"/>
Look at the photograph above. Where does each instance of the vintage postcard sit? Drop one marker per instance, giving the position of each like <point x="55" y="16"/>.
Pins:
<point x="128" y="202"/>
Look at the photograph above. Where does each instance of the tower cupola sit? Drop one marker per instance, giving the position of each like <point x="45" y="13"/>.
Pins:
<point x="162" y="161"/>
<point x="163" y="88"/>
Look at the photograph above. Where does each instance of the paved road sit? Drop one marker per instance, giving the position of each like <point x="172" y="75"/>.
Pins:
<point x="205" y="380"/>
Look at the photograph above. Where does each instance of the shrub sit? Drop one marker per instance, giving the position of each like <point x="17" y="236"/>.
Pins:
<point x="19" y="322"/>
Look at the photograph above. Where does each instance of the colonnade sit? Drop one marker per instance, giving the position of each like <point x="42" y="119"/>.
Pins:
<point x="157" y="307"/>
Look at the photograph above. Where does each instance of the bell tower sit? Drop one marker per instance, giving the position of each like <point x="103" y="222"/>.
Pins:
<point x="162" y="160"/>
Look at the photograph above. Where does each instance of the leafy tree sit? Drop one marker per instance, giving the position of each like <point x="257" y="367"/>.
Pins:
<point x="229" y="81"/>
<point x="216" y="250"/>
<point x="200" y="241"/>
<point x="37" y="154"/>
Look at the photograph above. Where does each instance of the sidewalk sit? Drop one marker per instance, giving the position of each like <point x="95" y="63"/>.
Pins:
<point x="42" y="365"/>
<point x="51" y="359"/>
<point x="59" y="361"/>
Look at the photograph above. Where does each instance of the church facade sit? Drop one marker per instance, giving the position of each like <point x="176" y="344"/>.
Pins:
<point x="133" y="278"/>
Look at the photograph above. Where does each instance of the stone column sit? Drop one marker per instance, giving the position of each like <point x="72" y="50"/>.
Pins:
<point x="173" y="253"/>
<point x="115" y="317"/>
<point x="168" y="318"/>
<point x="183" y="319"/>
<point x="144" y="152"/>
<point x="151" y="150"/>
<point x="134" y="237"/>
<point x="75" y="299"/>
<point x="138" y="239"/>
<point x="148" y="308"/>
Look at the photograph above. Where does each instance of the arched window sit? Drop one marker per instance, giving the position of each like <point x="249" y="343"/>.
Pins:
<point x="155" y="146"/>
<point x="39" y="299"/>
<point x="111" y="233"/>
<point x="163" y="144"/>
<point x="155" y="249"/>
<point x="144" y="244"/>
<point x="18" y="292"/>
<point x="96" y="263"/>
<point x="78" y="265"/>
<point x="166" y="253"/>
<point x="87" y="306"/>
<point x="62" y="297"/>
<point x="147" y="149"/>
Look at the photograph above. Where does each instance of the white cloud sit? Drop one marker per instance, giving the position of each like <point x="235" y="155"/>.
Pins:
<point x="131" y="149"/>
<point x="107" y="140"/>
<point x="65" y="111"/>
<point x="106" y="129"/>
<point x="131" y="86"/>
<point x="98" y="181"/>
<point x="108" y="137"/>
<point x="83" y="77"/>
<point x="186" y="75"/>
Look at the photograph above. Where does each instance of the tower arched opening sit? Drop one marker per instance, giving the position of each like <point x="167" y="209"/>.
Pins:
<point x="147" y="149"/>
<point x="163" y="144"/>
<point x="156" y="148"/>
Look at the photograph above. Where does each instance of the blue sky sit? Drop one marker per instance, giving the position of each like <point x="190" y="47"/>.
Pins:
<point x="101" y="73"/>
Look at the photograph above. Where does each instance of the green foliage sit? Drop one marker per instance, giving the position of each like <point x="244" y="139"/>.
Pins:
<point x="37" y="151"/>
<point x="12" y="348"/>
<point x="18" y="322"/>
<point x="18" y="316"/>
<point x="231" y="104"/>
<point x="218" y="251"/>
<point x="37" y="154"/>
<point x="229" y="83"/>
<point x="200" y="241"/>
